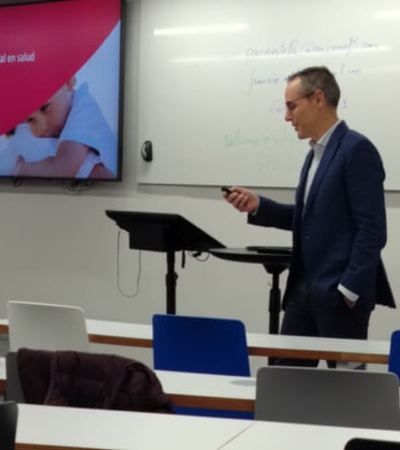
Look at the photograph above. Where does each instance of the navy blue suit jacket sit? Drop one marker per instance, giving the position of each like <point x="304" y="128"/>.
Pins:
<point x="339" y="233"/>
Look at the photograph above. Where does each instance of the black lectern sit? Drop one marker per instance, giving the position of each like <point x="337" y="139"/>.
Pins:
<point x="163" y="232"/>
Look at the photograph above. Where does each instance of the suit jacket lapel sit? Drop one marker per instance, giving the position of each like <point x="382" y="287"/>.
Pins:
<point x="302" y="185"/>
<point x="327" y="156"/>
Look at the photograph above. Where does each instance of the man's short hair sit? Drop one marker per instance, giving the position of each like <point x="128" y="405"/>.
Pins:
<point x="318" y="78"/>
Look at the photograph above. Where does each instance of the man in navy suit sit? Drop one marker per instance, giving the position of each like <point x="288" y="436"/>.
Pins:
<point x="338" y="220"/>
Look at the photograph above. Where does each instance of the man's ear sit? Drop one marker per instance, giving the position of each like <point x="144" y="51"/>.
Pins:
<point x="319" y="97"/>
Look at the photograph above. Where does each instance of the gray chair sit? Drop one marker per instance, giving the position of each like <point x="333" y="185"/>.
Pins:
<point x="343" y="398"/>
<point x="8" y="424"/>
<point x="47" y="327"/>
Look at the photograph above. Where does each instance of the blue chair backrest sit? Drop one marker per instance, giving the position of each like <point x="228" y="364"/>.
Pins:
<point x="203" y="345"/>
<point x="394" y="353"/>
<point x="200" y="344"/>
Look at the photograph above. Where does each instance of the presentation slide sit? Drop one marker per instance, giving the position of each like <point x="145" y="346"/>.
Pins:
<point x="60" y="76"/>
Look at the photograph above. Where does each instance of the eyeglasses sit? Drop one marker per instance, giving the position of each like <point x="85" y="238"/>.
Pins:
<point x="291" y="105"/>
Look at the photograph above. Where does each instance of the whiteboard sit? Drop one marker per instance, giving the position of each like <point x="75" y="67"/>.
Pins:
<point x="212" y="75"/>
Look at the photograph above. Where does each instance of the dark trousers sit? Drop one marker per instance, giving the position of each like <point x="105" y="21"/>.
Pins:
<point x="329" y="317"/>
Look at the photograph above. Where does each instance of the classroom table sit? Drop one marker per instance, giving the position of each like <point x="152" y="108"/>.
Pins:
<point x="196" y="390"/>
<point x="61" y="428"/>
<point x="259" y="344"/>
<point x="54" y="427"/>
<point x="289" y="436"/>
<point x="343" y="351"/>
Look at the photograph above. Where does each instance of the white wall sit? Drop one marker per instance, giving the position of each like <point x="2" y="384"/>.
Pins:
<point x="61" y="247"/>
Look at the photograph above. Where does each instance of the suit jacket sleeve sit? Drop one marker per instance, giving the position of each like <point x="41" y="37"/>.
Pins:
<point x="273" y="214"/>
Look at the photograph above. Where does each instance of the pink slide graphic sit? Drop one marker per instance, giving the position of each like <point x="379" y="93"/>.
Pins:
<point x="34" y="68"/>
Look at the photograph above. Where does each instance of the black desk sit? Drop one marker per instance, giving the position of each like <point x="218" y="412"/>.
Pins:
<point x="275" y="260"/>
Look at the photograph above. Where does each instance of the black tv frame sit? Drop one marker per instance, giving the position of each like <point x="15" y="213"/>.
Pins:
<point x="74" y="181"/>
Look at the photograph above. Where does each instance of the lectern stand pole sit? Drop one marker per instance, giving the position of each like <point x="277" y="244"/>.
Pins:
<point x="274" y="304"/>
<point x="170" y="280"/>
<point x="275" y="269"/>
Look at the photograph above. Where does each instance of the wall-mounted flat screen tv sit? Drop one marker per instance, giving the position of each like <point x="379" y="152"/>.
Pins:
<point x="61" y="75"/>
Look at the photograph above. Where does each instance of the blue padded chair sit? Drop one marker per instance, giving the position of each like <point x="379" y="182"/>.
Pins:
<point x="394" y="353"/>
<point x="202" y="345"/>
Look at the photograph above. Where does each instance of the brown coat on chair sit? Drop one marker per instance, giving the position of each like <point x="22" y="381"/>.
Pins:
<point x="90" y="380"/>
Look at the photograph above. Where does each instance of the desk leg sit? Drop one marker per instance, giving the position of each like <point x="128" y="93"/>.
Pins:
<point x="342" y="365"/>
<point x="170" y="281"/>
<point x="351" y="365"/>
